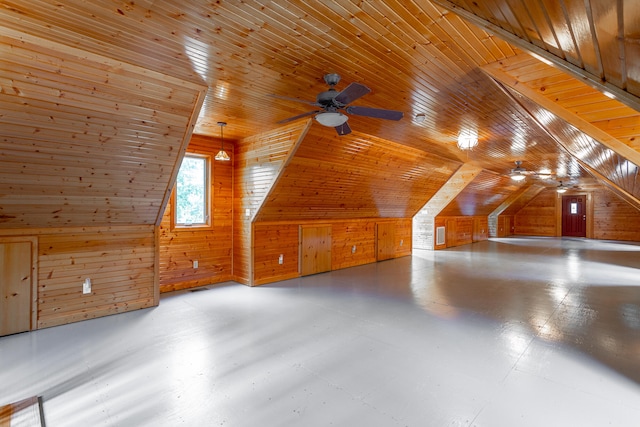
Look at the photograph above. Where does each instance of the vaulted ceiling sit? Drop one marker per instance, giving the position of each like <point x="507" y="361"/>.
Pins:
<point x="99" y="98"/>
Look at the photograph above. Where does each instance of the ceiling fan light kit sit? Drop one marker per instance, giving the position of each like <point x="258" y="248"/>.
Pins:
<point x="561" y="188"/>
<point x="518" y="173"/>
<point x="330" y="119"/>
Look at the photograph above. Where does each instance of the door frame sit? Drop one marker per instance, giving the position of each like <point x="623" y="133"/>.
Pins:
<point x="34" y="272"/>
<point x="589" y="209"/>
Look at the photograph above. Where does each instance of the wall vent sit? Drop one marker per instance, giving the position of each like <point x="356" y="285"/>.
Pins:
<point x="439" y="236"/>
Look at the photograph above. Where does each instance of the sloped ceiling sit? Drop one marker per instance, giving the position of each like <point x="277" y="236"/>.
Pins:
<point x="354" y="176"/>
<point x="158" y="56"/>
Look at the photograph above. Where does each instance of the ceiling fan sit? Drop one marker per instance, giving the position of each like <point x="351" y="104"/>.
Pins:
<point x="519" y="173"/>
<point x="333" y="102"/>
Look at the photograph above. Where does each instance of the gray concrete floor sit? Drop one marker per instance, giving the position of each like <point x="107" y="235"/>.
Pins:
<point x="508" y="332"/>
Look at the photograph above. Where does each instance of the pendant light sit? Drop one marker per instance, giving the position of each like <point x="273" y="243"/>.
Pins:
<point x="222" y="155"/>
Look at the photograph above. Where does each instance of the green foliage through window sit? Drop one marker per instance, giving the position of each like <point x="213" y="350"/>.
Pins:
<point x="191" y="192"/>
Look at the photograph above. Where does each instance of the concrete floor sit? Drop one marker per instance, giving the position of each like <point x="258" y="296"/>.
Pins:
<point x="508" y="332"/>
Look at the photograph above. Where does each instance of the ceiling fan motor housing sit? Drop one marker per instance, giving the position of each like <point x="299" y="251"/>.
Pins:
<point x="332" y="79"/>
<point x="326" y="98"/>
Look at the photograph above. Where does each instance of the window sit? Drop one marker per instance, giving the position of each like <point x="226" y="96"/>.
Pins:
<point x="574" y="208"/>
<point x="192" y="192"/>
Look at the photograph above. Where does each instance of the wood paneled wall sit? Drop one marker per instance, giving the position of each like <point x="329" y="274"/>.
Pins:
<point x="258" y="164"/>
<point x="271" y="241"/>
<point x="538" y="217"/>
<point x="504" y="226"/>
<point x="462" y="230"/>
<point x="423" y="221"/>
<point x="480" y="228"/>
<point x="86" y="140"/>
<point x="403" y="236"/>
<point x="120" y="261"/>
<point x="211" y="247"/>
<point x="614" y="218"/>
<point x="354" y="176"/>
<point x="437" y="223"/>
<point x="275" y="238"/>
<point x="346" y="235"/>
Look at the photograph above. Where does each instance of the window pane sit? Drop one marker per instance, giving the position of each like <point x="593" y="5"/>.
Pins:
<point x="191" y="187"/>
<point x="574" y="208"/>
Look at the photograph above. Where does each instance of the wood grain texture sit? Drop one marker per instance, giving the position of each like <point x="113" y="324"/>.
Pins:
<point x="271" y="241"/>
<point x="15" y="287"/>
<point x="315" y="249"/>
<point x="119" y="262"/>
<point x="462" y="230"/>
<point x="423" y="220"/>
<point x="591" y="40"/>
<point x="538" y="217"/>
<point x="353" y="176"/>
<point x="212" y="248"/>
<point x="614" y="218"/>
<point x="481" y="196"/>
<point x="609" y="139"/>
<point x="349" y="234"/>
<point x="86" y="140"/>
<point x="257" y="167"/>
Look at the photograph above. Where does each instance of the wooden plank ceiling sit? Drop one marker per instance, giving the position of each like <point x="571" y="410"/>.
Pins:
<point x="93" y="85"/>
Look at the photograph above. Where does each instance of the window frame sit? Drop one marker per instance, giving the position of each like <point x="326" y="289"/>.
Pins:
<point x="208" y="224"/>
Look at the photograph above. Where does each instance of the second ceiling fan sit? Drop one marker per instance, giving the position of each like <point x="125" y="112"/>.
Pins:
<point x="332" y="104"/>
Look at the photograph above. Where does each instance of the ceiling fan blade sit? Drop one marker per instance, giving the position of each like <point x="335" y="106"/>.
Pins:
<point x="288" y="98"/>
<point x="351" y="93"/>
<point x="343" y="129"/>
<point x="299" y="116"/>
<point x="375" y="112"/>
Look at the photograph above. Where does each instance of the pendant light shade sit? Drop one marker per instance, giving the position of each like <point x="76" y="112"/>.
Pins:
<point x="222" y="155"/>
<point x="331" y="119"/>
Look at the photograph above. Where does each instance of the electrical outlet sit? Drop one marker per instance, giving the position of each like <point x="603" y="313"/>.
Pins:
<point x="401" y="242"/>
<point x="281" y="259"/>
<point x="86" y="286"/>
<point x="353" y="249"/>
<point x="195" y="263"/>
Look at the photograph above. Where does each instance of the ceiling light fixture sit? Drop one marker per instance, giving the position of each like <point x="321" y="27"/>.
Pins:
<point x="467" y="140"/>
<point x="222" y="155"/>
<point x="561" y="188"/>
<point x="331" y="119"/>
<point x="518" y="173"/>
<point x="544" y="174"/>
<point x="420" y="117"/>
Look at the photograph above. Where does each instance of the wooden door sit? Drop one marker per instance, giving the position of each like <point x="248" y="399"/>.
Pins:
<point x="385" y="241"/>
<point x="574" y="216"/>
<point x="451" y="232"/>
<point x="15" y="287"/>
<point x="315" y="251"/>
